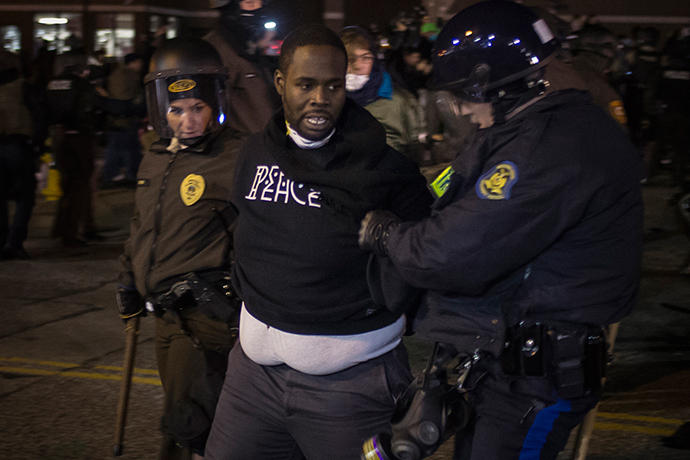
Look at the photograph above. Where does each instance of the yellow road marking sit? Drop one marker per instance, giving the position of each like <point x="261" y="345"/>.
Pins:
<point x="607" y="426"/>
<point x="41" y="363"/>
<point x="136" y="370"/>
<point x="633" y="428"/>
<point x="80" y="375"/>
<point x="70" y="365"/>
<point x="641" y="418"/>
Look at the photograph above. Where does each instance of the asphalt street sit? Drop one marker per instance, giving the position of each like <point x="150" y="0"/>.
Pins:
<point x="61" y="348"/>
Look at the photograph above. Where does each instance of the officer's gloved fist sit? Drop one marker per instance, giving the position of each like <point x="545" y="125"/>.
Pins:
<point x="129" y="303"/>
<point x="374" y="231"/>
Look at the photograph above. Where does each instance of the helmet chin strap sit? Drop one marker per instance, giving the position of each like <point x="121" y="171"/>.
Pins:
<point x="506" y="108"/>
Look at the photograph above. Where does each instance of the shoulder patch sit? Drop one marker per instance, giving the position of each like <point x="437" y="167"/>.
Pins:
<point x="441" y="183"/>
<point x="617" y="111"/>
<point x="497" y="182"/>
<point x="192" y="188"/>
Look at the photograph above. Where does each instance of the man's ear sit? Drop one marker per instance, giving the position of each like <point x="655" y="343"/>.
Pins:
<point x="279" y="81"/>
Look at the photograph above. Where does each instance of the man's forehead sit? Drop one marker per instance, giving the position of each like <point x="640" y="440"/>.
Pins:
<point x="316" y="59"/>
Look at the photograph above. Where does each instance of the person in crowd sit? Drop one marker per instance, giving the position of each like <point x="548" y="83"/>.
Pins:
<point x="430" y="28"/>
<point x="674" y="95"/>
<point x="124" y="106"/>
<point x="534" y="243"/>
<point x="72" y="103"/>
<point x="99" y="69"/>
<point x="409" y="70"/>
<point x="177" y="259"/>
<point x="641" y="86"/>
<point x="17" y="179"/>
<point x="594" y="49"/>
<point x="320" y="358"/>
<point x="251" y="97"/>
<point x="371" y="86"/>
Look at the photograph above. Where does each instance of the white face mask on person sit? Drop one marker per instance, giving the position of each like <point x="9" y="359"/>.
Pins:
<point x="354" y="82"/>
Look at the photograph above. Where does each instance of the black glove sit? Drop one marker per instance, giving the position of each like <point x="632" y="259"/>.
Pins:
<point x="129" y="302"/>
<point x="373" y="234"/>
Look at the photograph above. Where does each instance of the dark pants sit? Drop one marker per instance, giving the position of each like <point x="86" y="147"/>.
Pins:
<point x="278" y="413"/>
<point x="192" y="379"/>
<point x="122" y="150"/>
<point x="74" y="159"/>
<point x="18" y="184"/>
<point x="517" y="418"/>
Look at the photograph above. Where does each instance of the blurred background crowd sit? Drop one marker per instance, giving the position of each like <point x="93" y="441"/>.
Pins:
<point x="642" y="78"/>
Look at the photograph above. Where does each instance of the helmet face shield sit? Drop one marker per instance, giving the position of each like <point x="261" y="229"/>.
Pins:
<point x="458" y="110"/>
<point x="449" y="106"/>
<point x="185" y="84"/>
<point x="475" y="87"/>
<point x="198" y="99"/>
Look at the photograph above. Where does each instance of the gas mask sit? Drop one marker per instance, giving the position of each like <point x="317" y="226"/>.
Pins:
<point x="430" y="411"/>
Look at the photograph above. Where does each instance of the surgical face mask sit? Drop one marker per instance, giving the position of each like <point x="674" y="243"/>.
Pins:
<point x="354" y="82"/>
<point x="303" y="142"/>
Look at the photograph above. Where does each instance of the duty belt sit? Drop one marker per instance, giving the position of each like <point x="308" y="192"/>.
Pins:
<point x="575" y="360"/>
<point x="216" y="301"/>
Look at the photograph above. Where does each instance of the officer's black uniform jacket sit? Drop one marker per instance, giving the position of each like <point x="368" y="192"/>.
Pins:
<point x="182" y="215"/>
<point x="298" y="266"/>
<point x="542" y="221"/>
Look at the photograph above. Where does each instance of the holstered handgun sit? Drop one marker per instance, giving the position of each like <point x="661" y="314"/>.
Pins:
<point x="574" y="360"/>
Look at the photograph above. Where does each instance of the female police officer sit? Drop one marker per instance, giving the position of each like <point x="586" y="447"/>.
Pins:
<point x="535" y="239"/>
<point x="177" y="256"/>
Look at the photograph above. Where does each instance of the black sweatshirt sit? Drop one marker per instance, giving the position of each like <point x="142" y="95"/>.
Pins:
<point x="298" y="266"/>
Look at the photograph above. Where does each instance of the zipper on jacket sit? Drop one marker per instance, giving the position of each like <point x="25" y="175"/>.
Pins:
<point x="157" y="220"/>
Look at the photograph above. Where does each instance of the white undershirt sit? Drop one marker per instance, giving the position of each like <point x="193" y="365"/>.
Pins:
<point x="314" y="354"/>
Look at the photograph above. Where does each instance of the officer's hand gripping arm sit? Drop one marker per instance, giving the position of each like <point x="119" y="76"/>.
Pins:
<point x="375" y="229"/>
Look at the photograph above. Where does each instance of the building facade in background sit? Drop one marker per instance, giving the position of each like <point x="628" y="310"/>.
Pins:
<point x="119" y="27"/>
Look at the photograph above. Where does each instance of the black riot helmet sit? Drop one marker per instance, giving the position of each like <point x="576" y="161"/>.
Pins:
<point x="185" y="68"/>
<point x="485" y="50"/>
<point x="595" y="38"/>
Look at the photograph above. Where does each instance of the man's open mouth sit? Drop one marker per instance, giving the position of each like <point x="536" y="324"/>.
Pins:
<point x="316" y="121"/>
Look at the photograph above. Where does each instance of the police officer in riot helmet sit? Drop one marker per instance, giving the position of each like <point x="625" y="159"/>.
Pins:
<point x="594" y="49"/>
<point x="186" y="78"/>
<point x="534" y="243"/>
<point x="240" y="38"/>
<point x="176" y="261"/>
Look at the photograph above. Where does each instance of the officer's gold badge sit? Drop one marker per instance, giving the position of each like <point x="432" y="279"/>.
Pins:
<point x="497" y="182"/>
<point x="192" y="188"/>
